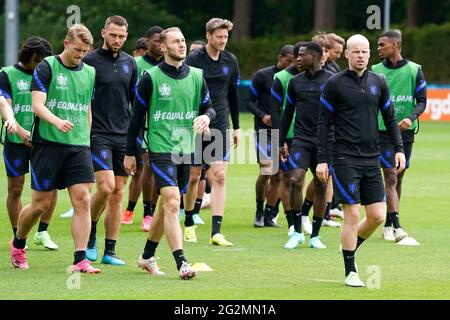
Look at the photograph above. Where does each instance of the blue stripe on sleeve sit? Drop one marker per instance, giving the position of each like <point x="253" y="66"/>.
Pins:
<point x="326" y="104"/>
<point x="38" y="81"/>
<point x="420" y="87"/>
<point x="276" y="96"/>
<point x="255" y="93"/>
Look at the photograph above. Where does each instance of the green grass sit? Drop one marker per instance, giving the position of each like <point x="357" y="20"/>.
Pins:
<point x="257" y="266"/>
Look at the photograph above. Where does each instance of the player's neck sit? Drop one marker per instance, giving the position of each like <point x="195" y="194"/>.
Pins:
<point x="114" y="54"/>
<point x="172" y="62"/>
<point x="212" y="52"/>
<point x="395" y="58"/>
<point x="358" y="72"/>
<point x="65" y="60"/>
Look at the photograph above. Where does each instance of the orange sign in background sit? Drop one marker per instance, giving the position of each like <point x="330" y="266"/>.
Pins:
<point x="438" y="104"/>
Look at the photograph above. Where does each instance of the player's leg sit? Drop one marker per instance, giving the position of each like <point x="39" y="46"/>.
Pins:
<point x="147" y="260"/>
<point x="29" y="215"/>
<point x="189" y="203"/>
<point x="320" y="207"/>
<point x="14" y="199"/>
<point x="217" y="174"/>
<point x="81" y="224"/>
<point x="113" y="221"/>
<point x="297" y="178"/>
<point x="42" y="237"/>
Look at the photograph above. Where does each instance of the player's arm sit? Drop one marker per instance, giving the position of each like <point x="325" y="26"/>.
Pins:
<point x="207" y="113"/>
<point x="255" y="89"/>
<point x="233" y="101"/>
<point x="326" y="114"/>
<point x="134" y="81"/>
<point x="288" y="113"/>
<point x="390" y="121"/>
<point x="8" y="115"/>
<point x="420" y="95"/>
<point x="276" y="103"/>
<point x="39" y="85"/>
<point x="143" y="95"/>
<point x="5" y="91"/>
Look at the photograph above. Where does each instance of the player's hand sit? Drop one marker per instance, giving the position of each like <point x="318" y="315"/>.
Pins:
<point x="64" y="125"/>
<point x="267" y="120"/>
<point x="400" y="161"/>
<point x="129" y="162"/>
<point x="11" y="126"/>
<point x="405" y="124"/>
<point x="201" y="124"/>
<point x="236" y="137"/>
<point x="284" y="153"/>
<point x="24" y="136"/>
<point x="322" y="172"/>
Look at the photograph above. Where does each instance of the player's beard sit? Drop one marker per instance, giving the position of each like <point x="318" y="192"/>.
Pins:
<point x="176" y="56"/>
<point x="110" y="48"/>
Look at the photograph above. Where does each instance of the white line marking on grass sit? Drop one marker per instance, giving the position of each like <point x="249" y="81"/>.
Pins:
<point x="326" y="280"/>
<point x="226" y="249"/>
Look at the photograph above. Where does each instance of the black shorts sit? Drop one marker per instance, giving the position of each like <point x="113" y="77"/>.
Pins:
<point x="387" y="155"/>
<point x="214" y="147"/>
<point x="355" y="184"/>
<point x="169" y="174"/>
<point x="264" y="144"/>
<point x="303" y="155"/>
<point x="108" y="154"/>
<point x="288" y="165"/>
<point x="16" y="157"/>
<point x="56" y="166"/>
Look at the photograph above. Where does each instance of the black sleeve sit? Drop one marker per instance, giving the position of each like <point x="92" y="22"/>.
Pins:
<point x="276" y="103"/>
<point x="255" y="89"/>
<point x="190" y="61"/>
<point x="134" y="80"/>
<point x="390" y="121"/>
<point x="421" y="96"/>
<point x="206" y="104"/>
<point x="5" y="86"/>
<point x="141" y="106"/>
<point x="288" y="113"/>
<point x="326" y="117"/>
<point x="233" y="97"/>
<point x="42" y="76"/>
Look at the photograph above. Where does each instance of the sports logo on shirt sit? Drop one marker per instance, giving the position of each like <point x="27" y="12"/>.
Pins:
<point x="61" y="81"/>
<point x="22" y="86"/>
<point x="165" y="90"/>
<point x="373" y="89"/>
<point x="126" y="68"/>
<point x="225" y="70"/>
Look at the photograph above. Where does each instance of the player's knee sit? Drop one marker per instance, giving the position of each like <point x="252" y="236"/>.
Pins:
<point x="41" y="206"/>
<point x="105" y="189"/>
<point x="320" y="189"/>
<point x="15" y="192"/>
<point x="296" y="182"/>
<point x="377" y="219"/>
<point x="219" y="177"/>
<point x="172" y="205"/>
<point x="391" y="178"/>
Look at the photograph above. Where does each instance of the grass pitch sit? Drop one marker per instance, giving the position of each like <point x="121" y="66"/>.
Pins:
<point x="257" y="266"/>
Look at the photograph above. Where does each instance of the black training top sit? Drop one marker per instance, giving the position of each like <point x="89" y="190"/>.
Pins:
<point x="222" y="78"/>
<point x="258" y="96"/>
<point x="421" y="102"/>
<point x="303" y="98"/>
<point x="115" y="79"/>
<point x="277" y="98"/>
<point x="332" y="66"/>
<point x="144" y="93"/>
<point x="351" y="103"/>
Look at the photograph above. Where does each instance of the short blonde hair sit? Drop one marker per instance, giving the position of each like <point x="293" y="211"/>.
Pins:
<point x="322" y="40"/>
<point x="218" y="23"/>
<point x="163" y="34"/>
<point x="335" y="38"/>
<point x="81" y="32"/>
